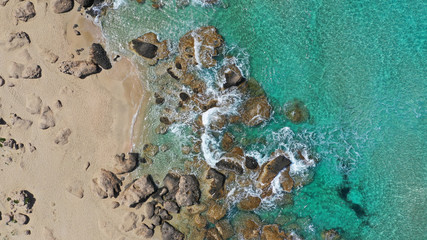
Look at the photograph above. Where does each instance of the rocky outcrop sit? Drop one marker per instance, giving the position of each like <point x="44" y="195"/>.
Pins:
<point x="296" y="111"/>
<point x="62" y="6"/>
<point x="124" y="165"/>
<point x="25" y="11"/>
<point x="139" y="191"/>
<point x="149" y="47"/>
<point x="80" y="69"/>
<point x="17" y="40"/>
<point x="255" y="111"/>
<point x="200" y="46"/>
<point x="106" y="184"/>
<point x="216" y="189"/>
<point x="272" y="168"/>
<point x="99" y="56"/>
<point x="171" y="233"/>
<point x="231" y="76"/>
<point x="188" y="191"/>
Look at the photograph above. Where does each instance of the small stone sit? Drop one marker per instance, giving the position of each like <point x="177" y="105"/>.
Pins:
<point x="80" y="69"/>
<point x="165" y="215"/>
<point x="150" y="149"/>
<point x="156" y="220"/>
<point x="114" y="204"/>
<point x="186" y="150"/>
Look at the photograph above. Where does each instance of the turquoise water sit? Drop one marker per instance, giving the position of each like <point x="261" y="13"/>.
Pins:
<point x="360" y="68"/>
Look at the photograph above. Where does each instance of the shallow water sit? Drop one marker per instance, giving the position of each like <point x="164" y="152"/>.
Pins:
<point x="360" y="68"/>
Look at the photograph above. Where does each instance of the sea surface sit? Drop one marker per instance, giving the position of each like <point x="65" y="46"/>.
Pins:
<point x="360" y="67"/>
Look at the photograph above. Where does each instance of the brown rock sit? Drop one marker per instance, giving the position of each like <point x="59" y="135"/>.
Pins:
<point x="139" y="191"/>
<point x="248" y="226"/>
<point x="270" y="169"/>
<point x="227" y="141"/>
<point x="215" y="212"/>
<point x="200" y="221"/>
<point x="216" y="189"/>
<point x="255" y="111"/>
<point x="232" y="76"/>
<point x="62" y="6"/>
<point x="331" y="234"/>
<point x="213" y="234"/>
<point x="195" y="209"/>
<point x="149" y="47"/>
<point x="296" y="111"/>
<point x="123" y="165"/>
<point x="188" y="192"/>
<point x="106" y="184"/>
<point x="224" y="228"/>
<point x="80" y="69"/>
<point x="272" y="232"/>
<point x="229" y="165"/>
<point x="25" y="11"/>
<point x="249" y="203"/>
<point x="286" y="181"/>
<point x="150" y="149"/>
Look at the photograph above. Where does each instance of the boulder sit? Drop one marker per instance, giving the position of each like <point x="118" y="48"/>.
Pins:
<point x="171" y="206"/>
<point x="149" y="209"/>
<point x="33" y="104"/>
<point x="80" y="69"/>
<point x="216" y="189"/>
<point x="249" y="203"/>
<point x="271" y="169"/>
<point x="188" y="191"/>
<point x="46" y="119"/>
<point x="144" y="231"/>
<point x="200" y="221"/>
<point x="272" y="232"/>
<point x="171" y="182"/>
<point x="164" y="215"/>
<point x="106" y="184"/>
<point x="124" y="165"/>
<point x="139" y="191"/>
<point x="232" y="76"/>
<point x="25" y="11"/>
<point x="85" y="3"/>
<point x="17" y="40"/>
<point x="251" y="163"/>
<point x="255" y="111"/>
<point x="99" y="56"/>
<point x="32" y="71"/>
<point x="149" y="47"/>
<point x="170" y="233"/>
<point x="216" y="212"/>
<point x="62" y="6"/>
<point x="200" y="46"/>
<point x="296" y="111"/>
<point x="248" y="226"/>
<point x="229" y="165"/>
<point x="62" y="136"/>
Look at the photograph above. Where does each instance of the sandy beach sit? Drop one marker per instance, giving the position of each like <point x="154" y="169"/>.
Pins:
<point x="95" y="113"/>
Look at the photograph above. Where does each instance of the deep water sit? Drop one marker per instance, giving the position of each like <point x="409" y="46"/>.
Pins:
<point x="360" y="68"/>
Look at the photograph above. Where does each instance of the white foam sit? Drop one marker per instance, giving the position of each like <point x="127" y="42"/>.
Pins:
<point x="118" y="3"/>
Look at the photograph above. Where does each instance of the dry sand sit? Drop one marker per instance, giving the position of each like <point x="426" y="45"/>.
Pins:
<point x="97" y="110"/>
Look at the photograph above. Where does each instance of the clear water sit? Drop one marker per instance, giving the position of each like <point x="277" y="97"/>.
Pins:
<point x="359" y="66"/>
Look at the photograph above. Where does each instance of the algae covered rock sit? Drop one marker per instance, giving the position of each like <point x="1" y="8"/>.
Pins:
<point x="296" y="111"/>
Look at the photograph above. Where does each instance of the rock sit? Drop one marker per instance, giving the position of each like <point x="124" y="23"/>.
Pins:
<point x="46" y="119"/>
<point x="75" y="190"/>
<point x="330" y="235"/>
<point x="200" y="46"/>
<point x="106" y="184"/>
<point x="216" y="212"/>
<point x="22" y="201"/>
<point x="62" y="6"/>
<point x="114" y="205"/>
<point x="188" y="192"/>
<point x="99" y="56"/>
<point x="159" y="99"/>
<point x="80" y="69"/>
<point x="15" y="70"/>
<point x="2" y="121"/>
<point x="227" y="141"/>
<point x="184" y="96"/>
<point x="149" y="47"/>
<point x="144" y="231"/>
<point x="150" y="149"/>
<point x="248" y="226"/>
<point x="49" y="56"/>
<point x="156" y="220"/>
<point x="25" y="11"/>
<point x="171" y="182"/>
<point x="286" y="181"/>
<point x="162" y="128"/>
<point x="251" y="163"/>
<point x="249" y="203"/>
<point x="231" y="166"/>
<point x="33" y="104"/>
<point x="21" y="219"/>
<point x="19" y="122"/>
<point x="32" y="72"/>
<point x="170" y="233"/>
<point x="224" y="228"/>
<point x="85" y="3"/>
<point x="171" y="206"/>
<point x="255" y="111"/>
<point x="200" y="221"/>
<point x="216" y="189"/>
<point x="62" y="136"/>
<point x="296" y="111"/>
<point x="213" y="234"/>
<point x="139" y="191"/>
<point x="129" y="222"/>
<point x="17" y="40"/>
<point x="124" y="165"/>
<point x="195" y="209"/>
<point x="232" y="76"/>
<point x="2" y="81"/>
<point x="185" y="150"/>
<point x="272" y="232"/>
<point x="164" y="215"/>
<point x="271" y="169"/>
<point x="149" y="209"/>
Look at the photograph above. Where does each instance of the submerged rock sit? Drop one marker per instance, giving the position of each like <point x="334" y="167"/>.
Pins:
<point x="330" y="235"/>
<point x="286" y="181"/>
<point x="296" y="111"/>
<point x="249" y="203"/>
<point x="255" y="111"/>
<point x="171" y="233"/>
<point x="149" y="47"/>
<point x="106" y="184"/>
<point x="99" y="56"/>
<point x="150" y="149"/>
<point x="213" y="234"/>
<point x="200" y="46"/>
<point x="227" y="141"/>
<point x="80" y="69"/>
<point x="188" y="192"/>
<point x="272" y="232"/>
<point x="139" y="191"/>
<point x="25" y="11"/>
